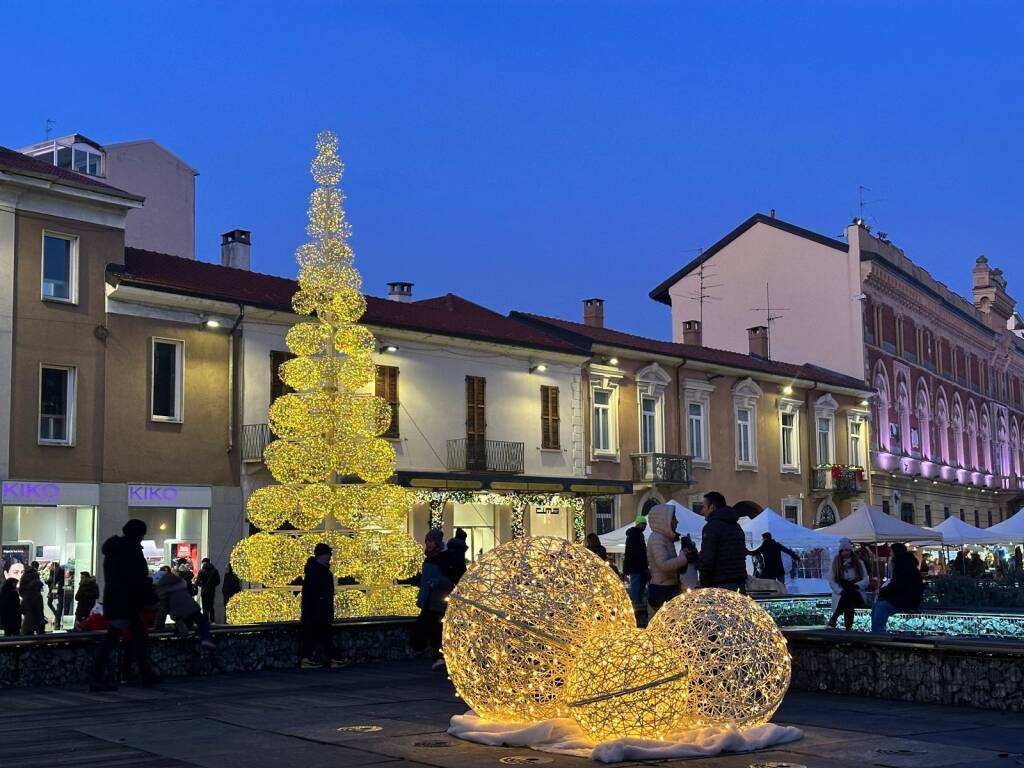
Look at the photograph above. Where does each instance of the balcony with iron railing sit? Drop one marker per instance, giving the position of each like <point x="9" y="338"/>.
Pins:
<point x="255" y="438"/>
<point x="479" y="455"/>
<point x="664" y="468"/>
<point x="838" y="479"/>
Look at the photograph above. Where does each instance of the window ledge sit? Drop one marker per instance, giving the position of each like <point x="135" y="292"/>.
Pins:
<point x="552" y="450"/>
<point x="56" y="443"/>
<point x="166" y="420"/>
<point x="702" y="463"/>
<point x="612" y="457"/>
<point x="790" y="470"/>
<point x="55" y="300"/>
<point x="746" y="467"/>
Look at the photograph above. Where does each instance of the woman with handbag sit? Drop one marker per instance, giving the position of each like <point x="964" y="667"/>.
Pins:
<point x="848" y="578"/>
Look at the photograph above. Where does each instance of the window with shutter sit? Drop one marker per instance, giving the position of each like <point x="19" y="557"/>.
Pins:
<point x="387" y="388"/>
<point x="476" y="424"/>
<point x="278" y="387"/>
<point x="549" y="426"/>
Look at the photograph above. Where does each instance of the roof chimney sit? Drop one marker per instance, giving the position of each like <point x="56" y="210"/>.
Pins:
<point x="236" y="249"/>
<point x="399" y="291"/>
<point x="692" y="333"/>
<point x="758" y="338"/>
<point x="593" y="312"/>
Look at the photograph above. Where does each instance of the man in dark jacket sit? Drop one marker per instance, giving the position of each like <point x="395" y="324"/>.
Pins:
<point x="207" y="581"/>
<point x="126" y="588"/>
<point x="232" y="586"/>
<point x="771" y="555"/>
<point x="634" y="560"/>
<point x="723" y="551"/>
<point x="457" y="548"/>
<point x="318" y="610"/>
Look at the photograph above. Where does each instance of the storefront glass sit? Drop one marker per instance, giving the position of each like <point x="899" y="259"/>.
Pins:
<point x="551" y="521"/>
<point x="478" y="521"/>
<point x="173" y="533"/>
<point x="62" y="540"/>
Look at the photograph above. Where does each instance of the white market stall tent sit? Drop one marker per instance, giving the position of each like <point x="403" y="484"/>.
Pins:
<point x="1009" y="531"/>
<point x="957" y="533"/>
<point x="687" y="522"/>
<point x="870" y="525"/>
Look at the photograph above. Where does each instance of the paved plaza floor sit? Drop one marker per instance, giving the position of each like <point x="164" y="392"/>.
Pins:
<point x="395" y="714"/>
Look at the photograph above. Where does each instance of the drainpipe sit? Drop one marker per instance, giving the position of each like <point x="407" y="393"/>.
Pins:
<point x="231" y="377"/>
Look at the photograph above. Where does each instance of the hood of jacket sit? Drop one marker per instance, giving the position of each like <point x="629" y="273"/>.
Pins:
<point x="660" y="520"/>
<point x="725" y="514"/>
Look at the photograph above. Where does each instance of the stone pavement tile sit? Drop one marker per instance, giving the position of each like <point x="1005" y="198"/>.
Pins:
<point x="304" y="755"/>
<point x="994" y="738"/>
<point x="457" y="753"/>
<point x="324" y="726"/>
<point x="883" y="724"/>
<point x="893" y="752"/>
<point x="746" y="759"/>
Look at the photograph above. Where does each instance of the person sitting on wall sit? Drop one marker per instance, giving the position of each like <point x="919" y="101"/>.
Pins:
<point x="902" y="593"/>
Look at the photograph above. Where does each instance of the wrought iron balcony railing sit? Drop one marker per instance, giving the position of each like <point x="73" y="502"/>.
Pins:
<point x="476" y="455"/>
<point x="668" y="468"/>
<point x="255" y="437"/>
<point x="838" y="479"/>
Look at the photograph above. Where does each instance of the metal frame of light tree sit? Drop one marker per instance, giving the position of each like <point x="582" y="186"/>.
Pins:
<point x="328" y="440"/>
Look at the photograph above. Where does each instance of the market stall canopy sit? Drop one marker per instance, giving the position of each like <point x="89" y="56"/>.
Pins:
<point x="1011" y="530"/>
<point x="687" y="522"/>
<point x="871" y="525"/>
<point x="956" y="532"/>
<point x="783" y="531"/>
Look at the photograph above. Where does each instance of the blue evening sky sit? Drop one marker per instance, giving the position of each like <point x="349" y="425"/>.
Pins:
<point x="529" y="154"/>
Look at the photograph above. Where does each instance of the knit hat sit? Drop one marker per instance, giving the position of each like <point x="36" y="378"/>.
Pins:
<point x="641" y="520"/>
<point x="436" y="535"/>
<point x="321" y="549"/>
<point x="845" y="543"/>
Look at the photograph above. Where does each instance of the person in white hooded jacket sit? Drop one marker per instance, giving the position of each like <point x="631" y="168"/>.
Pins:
<point x="664" y="561"/>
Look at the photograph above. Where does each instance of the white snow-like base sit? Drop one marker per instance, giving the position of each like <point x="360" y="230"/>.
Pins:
<point x="565" y="737"/>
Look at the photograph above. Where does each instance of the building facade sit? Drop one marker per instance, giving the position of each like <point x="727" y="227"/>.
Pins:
<point x="682" y="419"/>
<point x="947" y="372"/>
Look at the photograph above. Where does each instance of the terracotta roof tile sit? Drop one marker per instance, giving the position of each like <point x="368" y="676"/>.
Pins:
<point x="449" y="314"/>
<point x="16" y="162"/>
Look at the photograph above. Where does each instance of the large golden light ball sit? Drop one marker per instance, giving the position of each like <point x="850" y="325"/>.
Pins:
<point x="516" y="620"/>
<point x="268" y="558"/>
<point x="628" y="682"/>
<point x="262" y="606"/>
<point x="738" y="657"/>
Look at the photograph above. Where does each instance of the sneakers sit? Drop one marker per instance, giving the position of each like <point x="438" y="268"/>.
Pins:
<point x="339" y="663"/>
<point x="310" y="664"/>
<point x="439" y="665"/>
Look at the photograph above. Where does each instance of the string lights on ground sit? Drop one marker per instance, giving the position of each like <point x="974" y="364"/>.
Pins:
<point x="326" y="429"/>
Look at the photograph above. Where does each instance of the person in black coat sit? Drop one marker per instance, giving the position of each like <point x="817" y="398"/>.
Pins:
<point x="457" y="549"/>
<point x="231" y="587"/>
<point x="126" y="589"/>
<point x="10" y="608"/>
<point x="634" y="561"/>
<point x="31" y="590"/>
<point x="723" y="551"/>
<point x="318" y="610"/>
<point x="903" y="592"/>
<point x="87" y="596"/>
<point x="208" y="580"/>
<point x="770" y="552"/>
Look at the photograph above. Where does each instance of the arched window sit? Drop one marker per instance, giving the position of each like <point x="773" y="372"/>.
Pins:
<point x="924" y="420"/>
<point x="987" y="446"/>
<point x="881" y="382"/>
<point x="903" y="409"/>
<point x="972" y="436"/>
<point x="1015" y="449"/>
<point x="958" y="432"/>
<point x="942" y="427"/>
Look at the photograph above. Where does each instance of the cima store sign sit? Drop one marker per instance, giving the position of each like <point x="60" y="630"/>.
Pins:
<point x="188" y="496"/>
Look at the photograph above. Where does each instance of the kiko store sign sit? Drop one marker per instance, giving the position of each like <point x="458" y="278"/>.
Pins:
<point x="40" y="493"/>
<point x="194" y="496"/>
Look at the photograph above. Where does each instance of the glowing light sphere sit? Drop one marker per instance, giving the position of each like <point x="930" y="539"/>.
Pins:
<point x="628" y="682"/>
<point x="356" y="371"/>
<point x="392" y="601"/>
<point x="516" y="619"/>
<point x="269" y="507"/>
<point x="268" y="559"/>
<point x="262" y="606"/>
<point x="373" y="506"/>
<point x="739" y="662"/>
<point x="347" y="305"/>
<point x="350" y="603"/>
<point x="374" y="460"/>
<point x="354" y="340"/>
<point x="291" y="462"/>
<point x="385" y="556"/>
<point x="308" y="338"/>
<point x="315" y="503"/>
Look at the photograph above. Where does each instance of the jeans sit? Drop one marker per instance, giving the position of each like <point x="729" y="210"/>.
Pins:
<point x="880" y="613"/>
<point x="636" y="587"/>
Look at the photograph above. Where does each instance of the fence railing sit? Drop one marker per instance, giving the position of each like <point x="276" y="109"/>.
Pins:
<point x="662" y="468"/>
<point x="476" y="455"/>
<point x="255" y="438"/>
<point x="840" y="480"/>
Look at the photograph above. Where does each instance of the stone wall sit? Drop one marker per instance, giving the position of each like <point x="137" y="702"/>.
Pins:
<point x="984" y="674"/>
<point x="66" y="659"/>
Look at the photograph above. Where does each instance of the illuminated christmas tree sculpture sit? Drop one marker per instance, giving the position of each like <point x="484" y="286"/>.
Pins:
<point x="329" y="461"/>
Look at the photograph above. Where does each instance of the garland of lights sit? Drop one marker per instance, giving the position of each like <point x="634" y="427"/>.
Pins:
<point x="436" y="501"/>
<point x="327" y="429"/>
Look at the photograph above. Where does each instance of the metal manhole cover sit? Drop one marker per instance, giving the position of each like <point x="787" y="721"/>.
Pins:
<point x="360" y="728"/>
<point x="525" y="760"/>
<point x="777" y="765"/>
<point x="432" y="743"/>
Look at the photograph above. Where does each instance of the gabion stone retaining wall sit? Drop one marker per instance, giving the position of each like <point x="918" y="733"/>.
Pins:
<point x="66" y="659"/>
<point x="988" y="675"/>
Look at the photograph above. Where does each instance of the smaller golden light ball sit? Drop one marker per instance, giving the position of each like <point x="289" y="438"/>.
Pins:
<point x="269" y="507"/>
<point x="308" y="338"/>
<point x="267" y="558"/>
<point x="262" y="606"/>
<point x="393" y="600"/>
<point x="350" y="603"/>
<point x="738" y="656"/>
<point x="628" y="683"/>
<point x="374" y="460"/>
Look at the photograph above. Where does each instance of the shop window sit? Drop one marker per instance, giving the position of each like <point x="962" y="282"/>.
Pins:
<point x="167" y="374"/>
<point x="60" y="256"/>
<point x="604" y="515"/>
<point x="478" y="521"/>
<point x="56" y="405"/>
<point x="550" y="521"/>
<point x="173" y="534"/>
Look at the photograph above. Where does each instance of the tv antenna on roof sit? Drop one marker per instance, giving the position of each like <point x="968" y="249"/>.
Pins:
<point x="702" y="294"/>
<point x="50" y="122"/>
<point x="770" y="318"/>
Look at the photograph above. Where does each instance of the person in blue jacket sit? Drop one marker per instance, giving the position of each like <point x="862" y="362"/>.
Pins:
<point x="438" y="576"/>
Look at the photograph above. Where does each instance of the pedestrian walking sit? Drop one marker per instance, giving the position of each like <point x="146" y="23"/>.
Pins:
<point x="55" y="591"/>
<point x="903" y="592"/>
<point x="231" y="586"/>
<point x="10" y="607"/>
<point x="126" y="588"/>
<point x="208" y="580"/>
<point x="436" y="583"/>
<point x="177" y="602"/>
<point x="317" y="616"/>
<point x="723" y="546"/>
<point x="87" y="595"/>
<point x="770" y="553"/>
<point x="458" y="547"/>
<point x="634" y="561"/>
<point x="848" y="578"/>
<point x="31" y="591"/>
<point x="664" y="561"/>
